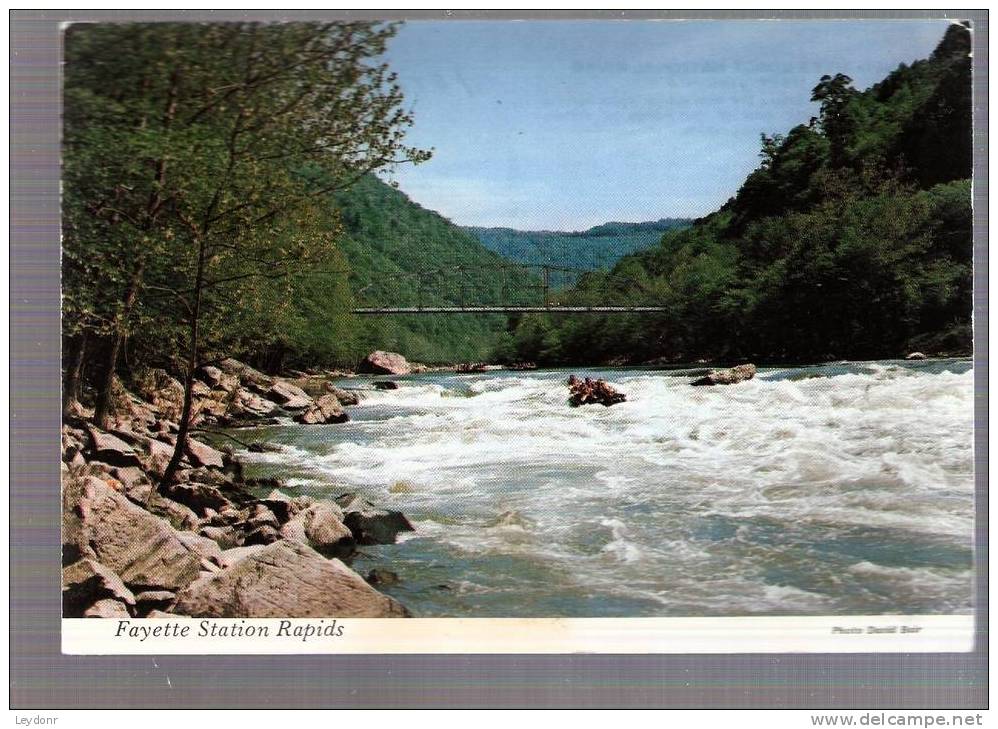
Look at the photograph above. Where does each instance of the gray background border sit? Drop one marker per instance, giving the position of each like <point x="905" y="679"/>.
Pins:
<point x="42" y="678"/>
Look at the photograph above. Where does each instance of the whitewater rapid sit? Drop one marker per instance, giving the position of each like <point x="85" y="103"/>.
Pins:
<point x="839" y="489"/>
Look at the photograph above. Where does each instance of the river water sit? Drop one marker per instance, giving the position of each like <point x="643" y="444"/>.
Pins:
<point x="835" y="489"/>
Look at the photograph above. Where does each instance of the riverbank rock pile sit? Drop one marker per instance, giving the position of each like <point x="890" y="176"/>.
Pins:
<point x="208" y="545"/>
<point x="729" y="376"/>
<point x="591" y="392"/>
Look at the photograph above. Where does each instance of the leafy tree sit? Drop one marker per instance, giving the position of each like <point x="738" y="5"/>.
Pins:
<point x="213" y="125"/>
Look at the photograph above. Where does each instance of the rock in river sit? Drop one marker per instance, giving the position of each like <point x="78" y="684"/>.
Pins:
<point x="385" y="363"/>
<point x="727" y="377"/>
<point x="369" y="524"/>
<point x="325" y="409"/>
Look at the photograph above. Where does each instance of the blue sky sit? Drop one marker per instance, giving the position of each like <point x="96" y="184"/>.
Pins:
<point x="563" y="125"/>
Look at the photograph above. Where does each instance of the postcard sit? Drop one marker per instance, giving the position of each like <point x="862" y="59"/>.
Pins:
<point x="481" y="336"/>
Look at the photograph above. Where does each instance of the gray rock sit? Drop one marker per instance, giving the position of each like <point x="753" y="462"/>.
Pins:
<point x="224" y="537"/>
<point x="325" y="409"/>
<point x="265" y="534"/>
<point x="210" y="375"/>
<point x="261" y="515"/>
<point x="322" y="527"/>
<point x="107" y="608"/>
<point x="385" y="363"/>
<point x="163" y="392"/>
<point x="916" y="355"/>
<point x="369" y="524"/>
<point x="237" y="553"/>
<point x="156" y="457"/>
<point x="386" y="385"/>
<point x="200" y="454"/>
<point x="244" y="372"/>
<point x="131" y="477"/>
<point x="729" y="376"/>
<point x="152" y="601"/>
<point x="87" y="581"/>
<point x="161" y="615"/>
<point x="198" y="496"/>
<point x="346" y="397"/>
<point x="203" y="547"/>
<point x="280" y="504"/>
<point x="111" y="449"/>
<point x="286" y="580"/>
<point x="142" y="549"/>
<point x="288" y="396"/>
<point x="179" y="516"/>
<point x="249" y="405"/>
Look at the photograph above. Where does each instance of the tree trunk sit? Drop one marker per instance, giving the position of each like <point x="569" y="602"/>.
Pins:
<point x="192" y="363"/>
<point x="102" y="408"/>
<point x="74" y="372"/>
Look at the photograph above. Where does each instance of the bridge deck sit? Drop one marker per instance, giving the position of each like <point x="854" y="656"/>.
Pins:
<point x="506" y="309"/>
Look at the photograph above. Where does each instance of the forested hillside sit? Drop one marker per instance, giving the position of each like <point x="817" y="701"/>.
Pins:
<point x="401" y="254"/>
<point x="597" y="248"/>
<point x="852" y="239"/>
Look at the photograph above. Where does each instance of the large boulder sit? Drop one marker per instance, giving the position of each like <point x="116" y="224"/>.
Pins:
<point x="111" y="449"/>
<point x="385" y="363"/>
<point x="200" y="454"/>
<point x="107" y="608"/>
<point x="290" y="397"/>
<point x="321" y="527"/>
<point x="369" y="524"/>
<point x="244" y="372"/>
<point x="206" y="550"/>
<point x="248" y="405"/>
<point x="153" y="601"/>
<point x="225" y="537"/>
<point x="346" y="397"/>
<point x="325" y="409"/>
<point x="85" y="582"/>
<point x="197" y="496"/>
<point x="286" y="580"/>
<point x="180" y="517"/>
<point x="319" y="386"/>
<point x="729" y="376"/>
<point x="280" y="504"/>
<point x="142" y="549"/>
<point x="156" y="456"/>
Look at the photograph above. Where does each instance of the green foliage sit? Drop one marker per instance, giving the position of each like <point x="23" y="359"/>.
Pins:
<point x="401" y="254"/>
<point x="852" y="240"/>
<point x="189" y="223"/>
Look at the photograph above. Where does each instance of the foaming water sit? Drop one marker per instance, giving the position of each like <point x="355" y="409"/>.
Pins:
<point x="845" y="488"/>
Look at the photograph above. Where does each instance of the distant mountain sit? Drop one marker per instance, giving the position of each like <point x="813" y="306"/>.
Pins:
<point x="598" y="248"/>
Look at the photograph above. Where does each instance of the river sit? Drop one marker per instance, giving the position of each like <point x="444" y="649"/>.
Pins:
<point x="837" y="489"/>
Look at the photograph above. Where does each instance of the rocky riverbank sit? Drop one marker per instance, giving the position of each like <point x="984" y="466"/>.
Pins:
<point x="214" y="543"/>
